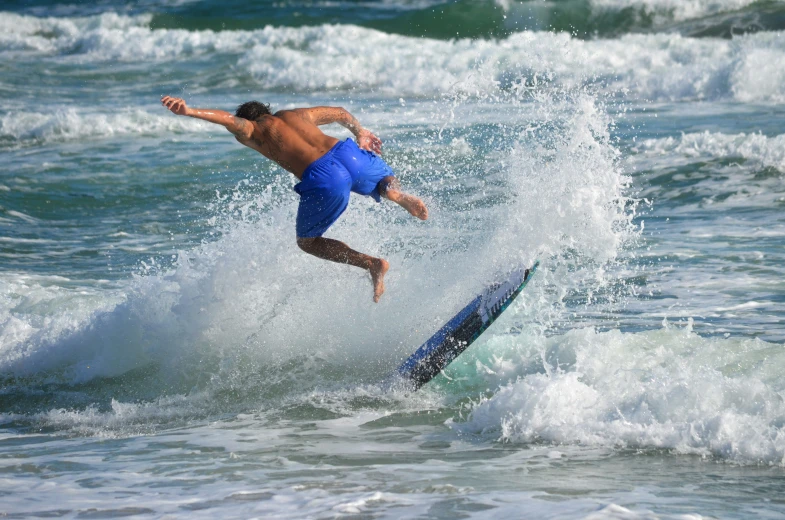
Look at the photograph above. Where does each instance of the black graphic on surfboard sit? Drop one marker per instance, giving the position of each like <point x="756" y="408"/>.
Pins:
<point x="463" y="329"/>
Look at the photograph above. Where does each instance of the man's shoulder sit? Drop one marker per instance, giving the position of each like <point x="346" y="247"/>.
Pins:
<point x="294" y="116"/>
<point x="267" y="121"/>
<point x="288" y="111"/>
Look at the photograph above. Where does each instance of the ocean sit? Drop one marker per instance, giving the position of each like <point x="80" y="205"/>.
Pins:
<point x="167" y="351"/>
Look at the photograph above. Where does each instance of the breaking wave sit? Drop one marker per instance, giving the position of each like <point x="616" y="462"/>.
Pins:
<point x="666" y="67"/>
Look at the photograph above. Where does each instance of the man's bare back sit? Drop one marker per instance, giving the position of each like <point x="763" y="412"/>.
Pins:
<point x="288" y="137"/>
<point x="292" y="139"/>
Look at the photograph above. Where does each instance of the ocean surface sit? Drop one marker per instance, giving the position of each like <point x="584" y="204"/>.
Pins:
<point x="166" y="350"/>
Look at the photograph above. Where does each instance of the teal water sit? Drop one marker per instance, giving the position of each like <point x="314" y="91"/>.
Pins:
<point x="166" y="350"/>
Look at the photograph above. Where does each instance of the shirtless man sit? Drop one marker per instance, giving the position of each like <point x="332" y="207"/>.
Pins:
<point x="328" y="170"/>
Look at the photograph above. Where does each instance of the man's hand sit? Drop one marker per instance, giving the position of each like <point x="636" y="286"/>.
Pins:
<point x="176" y="105"/>
<point x="367" y="141"/>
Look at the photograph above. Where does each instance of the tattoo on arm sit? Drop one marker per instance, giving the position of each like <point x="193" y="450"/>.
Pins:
<point x="352" y="124"/>
<point x="241" y="127"/>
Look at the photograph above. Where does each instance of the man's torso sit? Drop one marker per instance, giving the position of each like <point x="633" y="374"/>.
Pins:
<point x="290" y="139"/>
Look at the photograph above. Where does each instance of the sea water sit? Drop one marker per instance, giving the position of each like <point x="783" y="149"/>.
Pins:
<point x="167" y="351"/>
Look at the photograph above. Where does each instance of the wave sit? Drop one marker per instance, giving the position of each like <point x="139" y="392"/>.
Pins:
<point x="449" y="19"/>
<point x="667" y="389"/>
<point x="250" y="305"/>
<point x="677" y="9"/>
<point x="658" y="67"/>
<point x="614" y="18"/>
<point x="759" y="149"/>
<point x="729" y="172"/>
<point x="662" y="67"/>
<point x="71" y="124"/>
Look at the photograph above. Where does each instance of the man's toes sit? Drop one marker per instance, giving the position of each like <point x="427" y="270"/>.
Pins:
<point x="423" y="211"/>
<point x="419" y="210"/>
<point x="377" y="276"/>
<point x="378" y="290"/>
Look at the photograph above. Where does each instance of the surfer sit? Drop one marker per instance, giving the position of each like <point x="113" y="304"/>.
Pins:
<point x="328" y="169"/>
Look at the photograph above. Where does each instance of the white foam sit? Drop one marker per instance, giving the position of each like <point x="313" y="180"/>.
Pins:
<point x="675" y="9"/>
<point x="49" y="35"/>
<point x="662" y="389"/>
<point x="659" y="67"/>
<point x="112" y="37"/>
<point x="251" y="298"/>
<point x="732" y="179"/>
<point x="748" y="68"/>
<point x="587" y="206"/>
<point x="71" y="123"/>
<point x="763" y="150"/>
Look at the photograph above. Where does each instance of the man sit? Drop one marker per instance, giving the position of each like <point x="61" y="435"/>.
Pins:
<point x="328" y="170"/>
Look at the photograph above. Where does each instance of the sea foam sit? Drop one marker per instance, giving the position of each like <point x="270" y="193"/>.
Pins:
<point x="250" y="298"/>
<point x="667" y="10"/>
<point x="666" y="389"/>
<point x="666" y="67"/>
<point x="764" y="150"/>
<point x="67" y="124"/>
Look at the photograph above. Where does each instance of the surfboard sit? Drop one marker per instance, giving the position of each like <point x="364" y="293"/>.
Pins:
<point x="462" y="330"/>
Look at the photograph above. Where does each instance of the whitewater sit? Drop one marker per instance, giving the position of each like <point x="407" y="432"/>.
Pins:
<point x="166" y="350"/>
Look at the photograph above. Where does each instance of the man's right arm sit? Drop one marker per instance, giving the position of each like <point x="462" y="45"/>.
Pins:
<point x="326" y="115"/>
<point x="241" y="128"/>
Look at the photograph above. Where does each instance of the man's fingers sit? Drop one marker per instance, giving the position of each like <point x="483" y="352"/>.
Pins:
<point x="375" y="144"/>
<point x="171" y="102"/>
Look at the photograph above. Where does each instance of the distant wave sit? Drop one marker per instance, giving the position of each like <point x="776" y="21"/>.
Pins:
<point x="658" y="67"/>
<point x="675" y="9"/>
<point x="448" y="19"/>
<point x="766" y="151"/>
<point x="608" y="18"/>
<point x="70" y="123"/>
<point x="655" y="67"/>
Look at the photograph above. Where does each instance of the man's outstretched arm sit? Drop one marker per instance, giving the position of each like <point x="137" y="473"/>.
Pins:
<point x="327" y="115"/>
<point x="241" y="128"/>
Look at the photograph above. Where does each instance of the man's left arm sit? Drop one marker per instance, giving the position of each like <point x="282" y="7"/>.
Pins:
<point x="326" y="115"/>
<point x="241" y="128"/>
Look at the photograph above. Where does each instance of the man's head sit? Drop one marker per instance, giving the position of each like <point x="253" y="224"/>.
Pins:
<point x="252" y="110"/>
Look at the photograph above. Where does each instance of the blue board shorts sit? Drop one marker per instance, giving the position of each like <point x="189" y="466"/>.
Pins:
<point x="326" y="183"/>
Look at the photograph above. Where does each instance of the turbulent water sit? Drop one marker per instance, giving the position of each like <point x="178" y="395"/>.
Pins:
<point x="166" y="350"/>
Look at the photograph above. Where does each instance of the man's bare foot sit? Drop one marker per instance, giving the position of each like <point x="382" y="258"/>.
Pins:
<point x="378" y="269"/>
<point x="410" y="203"/>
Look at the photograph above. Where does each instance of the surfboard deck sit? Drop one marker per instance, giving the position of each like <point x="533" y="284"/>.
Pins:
<point x="462" y="330"/>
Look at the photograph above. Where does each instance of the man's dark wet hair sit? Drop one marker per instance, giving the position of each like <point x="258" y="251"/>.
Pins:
<point x="252" y="110"/>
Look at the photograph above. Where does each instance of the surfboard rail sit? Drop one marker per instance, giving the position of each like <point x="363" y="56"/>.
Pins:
<point x="463" y="329"/>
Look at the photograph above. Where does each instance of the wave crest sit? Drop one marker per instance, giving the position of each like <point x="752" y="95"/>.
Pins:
<point x="666" y="389"/>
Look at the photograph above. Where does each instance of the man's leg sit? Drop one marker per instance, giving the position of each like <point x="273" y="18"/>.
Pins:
<point x="390" y="188"/>
<point x="336" y="251"/>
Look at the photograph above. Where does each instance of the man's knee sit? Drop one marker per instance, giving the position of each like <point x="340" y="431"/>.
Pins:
<point x="306" y="243"/>
<point x="388" y="183"/>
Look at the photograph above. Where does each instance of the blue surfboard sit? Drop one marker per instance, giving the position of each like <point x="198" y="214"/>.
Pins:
<point x="462" y="330"/>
